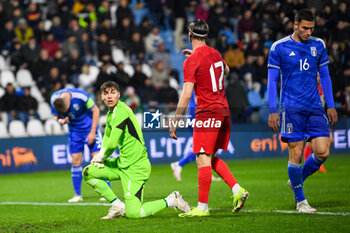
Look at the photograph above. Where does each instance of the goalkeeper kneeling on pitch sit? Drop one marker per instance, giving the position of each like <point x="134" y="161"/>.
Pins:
<point x="132" y="167"/>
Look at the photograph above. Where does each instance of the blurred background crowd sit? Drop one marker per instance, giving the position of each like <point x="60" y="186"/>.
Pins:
<point x="47" y="45"/>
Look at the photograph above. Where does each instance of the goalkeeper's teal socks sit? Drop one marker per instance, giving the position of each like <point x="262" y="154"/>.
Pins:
<point x="77" y="177"/>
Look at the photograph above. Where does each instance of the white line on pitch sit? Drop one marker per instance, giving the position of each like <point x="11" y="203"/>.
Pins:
<point x="107" y="204"/>
<point x="288" y="212"/>
<point x="56" y="203"/>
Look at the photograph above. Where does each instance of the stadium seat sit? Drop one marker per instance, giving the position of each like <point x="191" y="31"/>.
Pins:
<point x="35" y="128"/>
<point x="146" y="69"/>
<point x="3" y="130"/>
<point x="24" y="78"/>
<point x="7" y="76"/>
<point x="129" y="69"/>
<point x="4" y="118"/>
<point x="117" y="55"/>
<point x="44" y="111"/>
<point x="17" y="129"/>
<point x="3" y="64"/>
<point x="94" y="71"/>
<point x="69" y="85"/>
<point x="102" y="122"/>
<point x="88" y="79"/>
<point x="47" y="25"/>
<point x="2" y="92"/>
<point x="139" y="14"/>
<point x="52" y="127"/>
<point x="35" y="92"/>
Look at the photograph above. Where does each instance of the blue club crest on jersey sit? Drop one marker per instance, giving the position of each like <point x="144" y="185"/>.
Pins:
<point x="313" y="51"/>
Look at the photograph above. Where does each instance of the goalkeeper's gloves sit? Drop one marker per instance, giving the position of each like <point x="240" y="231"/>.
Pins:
<point x="98" y="160"/>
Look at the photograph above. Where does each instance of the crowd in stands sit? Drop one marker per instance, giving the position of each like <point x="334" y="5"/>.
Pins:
<point x="82" y="43"/>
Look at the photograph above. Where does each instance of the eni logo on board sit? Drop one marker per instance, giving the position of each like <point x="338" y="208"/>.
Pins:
<point x="21" y="156"/>
<point x="269" y="144"/>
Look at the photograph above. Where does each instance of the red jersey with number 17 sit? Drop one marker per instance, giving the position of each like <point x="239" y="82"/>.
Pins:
<point x="205" y="67"/>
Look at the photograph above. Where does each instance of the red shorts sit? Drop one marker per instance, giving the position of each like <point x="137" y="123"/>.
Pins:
<point x="209" y="140"/>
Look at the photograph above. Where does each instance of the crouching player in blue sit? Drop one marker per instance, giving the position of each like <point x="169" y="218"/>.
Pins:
<point x="132" y="167"/>
<point x="73" y="106"/>
<point x="296" y="59"/>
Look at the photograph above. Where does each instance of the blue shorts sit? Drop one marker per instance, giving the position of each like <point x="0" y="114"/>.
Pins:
<point x="296" y="124"/>
<point x="77" y="141"/>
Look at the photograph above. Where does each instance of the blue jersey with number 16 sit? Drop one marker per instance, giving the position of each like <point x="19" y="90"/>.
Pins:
<point x="298" y="63"/>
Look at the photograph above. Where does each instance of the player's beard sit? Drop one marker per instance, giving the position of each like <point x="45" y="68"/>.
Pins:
<point x="300" y="37"/>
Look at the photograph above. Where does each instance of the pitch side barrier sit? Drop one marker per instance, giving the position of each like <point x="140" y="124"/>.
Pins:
<point x="32" y="154"/>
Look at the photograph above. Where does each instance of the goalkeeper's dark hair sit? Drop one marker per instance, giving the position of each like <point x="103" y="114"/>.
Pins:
<point x="304" y="14"/>
<point x="109" y="84"/>
<point x="59" y="105"/>
<point x="199" y="29"/>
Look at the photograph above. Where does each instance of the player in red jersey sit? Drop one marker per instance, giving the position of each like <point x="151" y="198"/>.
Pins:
<point x="204" y="71"/>
<point x="308" y="147"/>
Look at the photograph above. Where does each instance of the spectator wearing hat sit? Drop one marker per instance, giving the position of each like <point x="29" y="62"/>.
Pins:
<point x="23" y="31"/>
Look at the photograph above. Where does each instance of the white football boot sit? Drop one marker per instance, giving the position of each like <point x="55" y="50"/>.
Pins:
<point x="304" y="207"/>
<point x="175" y="200"/>
<point x="176" y="170"/>
<point x="115" y="211"/>
<point x="76" y="198"/>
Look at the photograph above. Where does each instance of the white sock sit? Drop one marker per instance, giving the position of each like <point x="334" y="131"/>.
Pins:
<point x="235" y="189"/>
<point x="202" y="206"/>
<point x="117" y="202"/>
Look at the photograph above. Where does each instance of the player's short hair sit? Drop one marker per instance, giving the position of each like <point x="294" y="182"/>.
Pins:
<point x="109" y="84"/>
<point x="304" y="14"/>
<point x="199" y="29"/>
<point x="59" y="105"/>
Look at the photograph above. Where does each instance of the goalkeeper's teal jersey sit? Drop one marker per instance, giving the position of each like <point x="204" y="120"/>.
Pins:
<point x="124" y="130"/>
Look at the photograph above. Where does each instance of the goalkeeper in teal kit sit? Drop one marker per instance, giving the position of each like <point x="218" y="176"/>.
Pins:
<point x="132" y="167"/>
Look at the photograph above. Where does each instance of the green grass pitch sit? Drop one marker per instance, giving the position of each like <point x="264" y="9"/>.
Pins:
<point x="270" y="207"/>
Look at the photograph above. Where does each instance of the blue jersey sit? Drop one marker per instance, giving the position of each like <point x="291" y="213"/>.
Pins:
<point x="298" y="64"/>
<point x="79" y="113"/>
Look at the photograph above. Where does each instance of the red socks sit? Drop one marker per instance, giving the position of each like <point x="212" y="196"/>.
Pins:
<point x="204" y="181"/>
<point x="307" y="152"/>
<point x="222" y="169"/>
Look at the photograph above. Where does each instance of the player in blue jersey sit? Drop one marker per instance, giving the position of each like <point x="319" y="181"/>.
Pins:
<point x="190" y="156"/>
<point x="296" y="59"/>
<point x="73" y="106"/>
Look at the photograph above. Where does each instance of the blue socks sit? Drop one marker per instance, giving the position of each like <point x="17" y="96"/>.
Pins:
<point x="188" y="158"/>
<point x="311" y="165"/>
<point x="296" y="178"/>
<point x="77" y="176"/>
